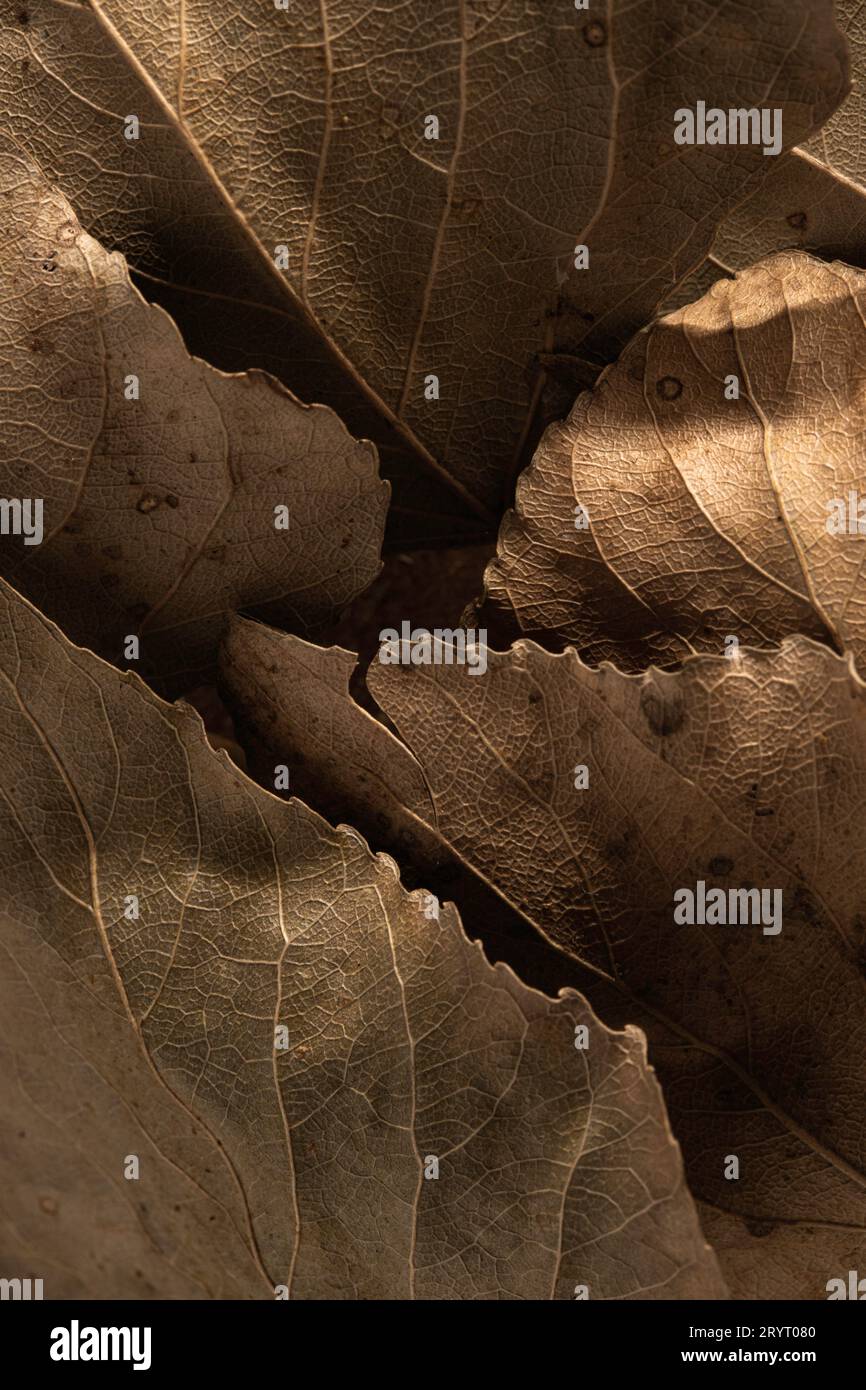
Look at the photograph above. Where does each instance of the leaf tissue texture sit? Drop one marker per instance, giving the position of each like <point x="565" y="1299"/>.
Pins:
<point x="814" y="199"/>
<point x="409" y="257"/>
<point x="294" y="698"/>
<point x="162" y="478"/>
<point x="291" y="706"/>
<point x="737" y="775"/>
<point x="708" y="516"/>
<point x="261" y="1165"/>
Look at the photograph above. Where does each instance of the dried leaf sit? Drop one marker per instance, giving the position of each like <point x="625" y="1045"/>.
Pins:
<point x="814" y="199"/>
<point x="746" y="774"/>
<point x="293" y="697"/>
<point x="161" y="477"/>
<point x="707" y="515"/>
<point x="157" y="1037"/>
<point x="294" y="708"/>
<point x="408" y="256"/>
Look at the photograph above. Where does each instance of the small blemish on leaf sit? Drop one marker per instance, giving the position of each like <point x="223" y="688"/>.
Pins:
<point x="759" y="1228"/>
<point x="148" y="503"/>
<point x="669" y="388"/>
<point x="594" y="34"/>
<point x="798" y="220"/>
<point x="664" y="711"/>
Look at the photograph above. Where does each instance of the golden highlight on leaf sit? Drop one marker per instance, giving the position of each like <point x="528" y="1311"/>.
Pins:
<point x="695" y="494"/>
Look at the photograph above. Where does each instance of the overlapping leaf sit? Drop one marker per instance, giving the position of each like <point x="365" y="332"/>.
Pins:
<point x="294" y="698"/>
<point x="739" y="773"/>
<point x="703" y="491"/>
<point x="327" y="1089"/>
<point x="294" y="710"/>
<point x="305" y="128"/>
<point x="247" y="1002"/>
<point x="172" y="492"/>
<point x="746" y="774"/>
<point x="814" y="199"/>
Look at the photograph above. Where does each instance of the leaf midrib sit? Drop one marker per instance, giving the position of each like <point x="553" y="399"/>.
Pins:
<point x="811" y="1141"/>
<point x="286" y="289"/>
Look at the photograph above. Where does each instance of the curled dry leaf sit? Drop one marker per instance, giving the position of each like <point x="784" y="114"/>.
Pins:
<point x="162" y="478"/>
<point x="694" y="495"/>
<point x="219" y="985"/>
<point x="423" y="173"/>
<point x="734" y="775"/>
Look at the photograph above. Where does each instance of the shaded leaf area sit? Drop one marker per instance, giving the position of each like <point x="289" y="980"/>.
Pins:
<point x="738" y="775"/>
<point x="162" y="478"/>
<point x="814" y="199"/>
<point x="432" y="587"/>
<point x="408" y="256"/>
<point x="694" y="495"/>
<point x="157" y="1034"/>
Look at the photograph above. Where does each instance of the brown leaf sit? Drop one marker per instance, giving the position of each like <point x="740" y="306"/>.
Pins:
<point x="156" y="1037"/>
<point x="294" y="707"/>
<point x="293" y="699"/>
<point x="160" y="511"/>
<point x="735" y="775"/>
<point x="708" y="515"/>
<point x="410" y="256"/>
<point x="815" y="198"/>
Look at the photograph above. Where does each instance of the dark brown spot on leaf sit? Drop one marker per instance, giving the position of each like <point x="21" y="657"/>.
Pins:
<point x="664" y="711"/>
<point x="669" y="388"/>
<point x="759" y="1227"/>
